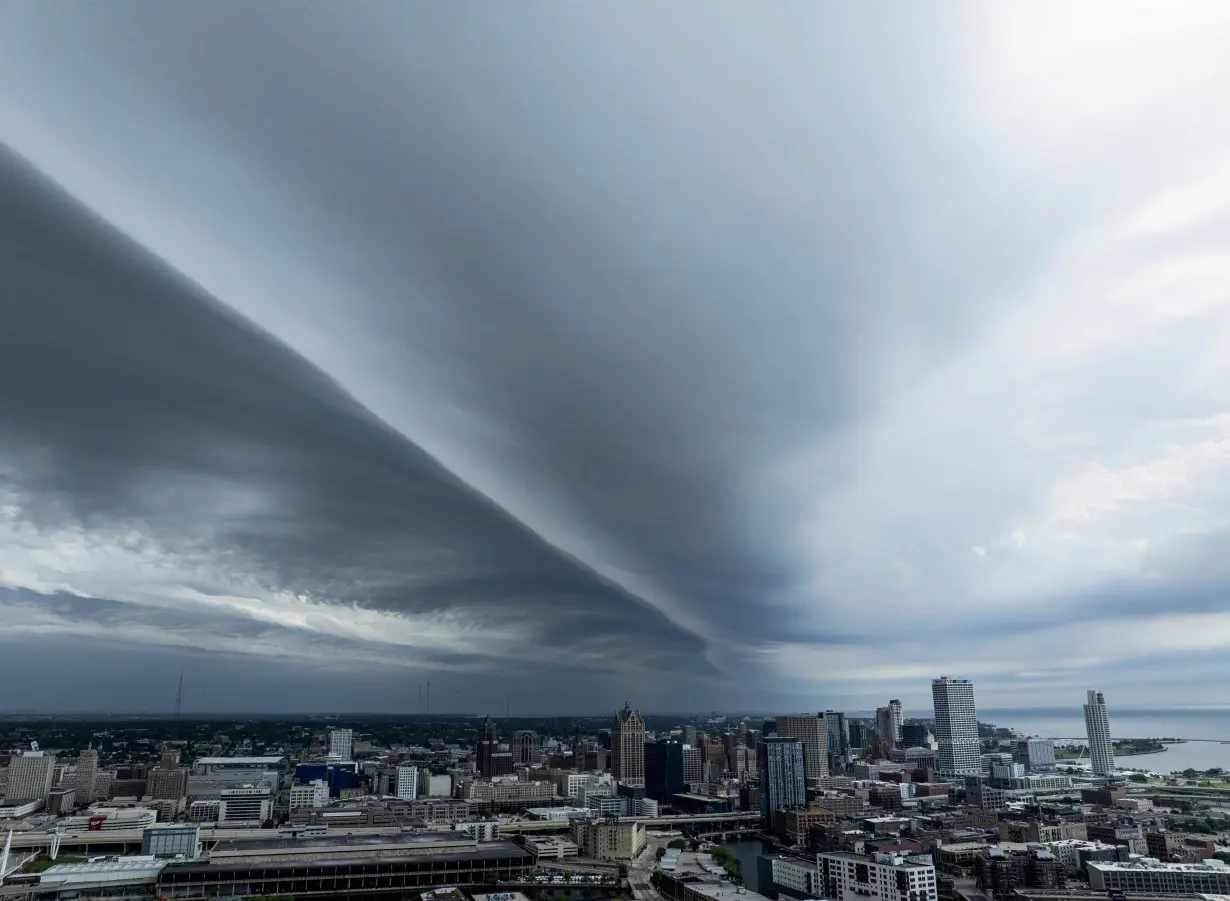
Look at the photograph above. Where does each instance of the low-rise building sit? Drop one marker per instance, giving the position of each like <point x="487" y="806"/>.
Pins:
<point x="1149" y="875"/>
<point x="1179" y="847"/>
<point x="796" y="825"/>
<point x="1122" y="833"/>
<point x="314" y="794"/>
<point x="1073" y="854"/>
<point x="101" y="877"/>
<point x="248" y="805"/>
<point x="559" y="814"/>
<point x="16" y="810"/>
<point x="166" y="840"/>
<point x="609" y="841"/>
<point x="550" y="847"/>
<point x="1001" y="869"/>
<point x="109" y="819"/>
<point x="796" y="877"/>
<point x="482" y="830"/>
<point x="887" y="877"/>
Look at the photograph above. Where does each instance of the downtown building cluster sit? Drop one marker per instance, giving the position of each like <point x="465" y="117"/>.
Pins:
<point x="891" y="806"/>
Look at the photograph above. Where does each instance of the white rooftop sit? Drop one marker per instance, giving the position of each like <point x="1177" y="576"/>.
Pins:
<point x="1212" y="865"/>
<point x="103" y="869"/>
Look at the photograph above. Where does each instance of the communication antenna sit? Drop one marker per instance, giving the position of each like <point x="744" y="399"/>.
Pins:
<point x="179" y="693"/>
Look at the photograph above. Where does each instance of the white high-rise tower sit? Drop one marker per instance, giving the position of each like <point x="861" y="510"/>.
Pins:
<point x="1097" y="727"/>
<point x="341" y="744"/>
<point x="956" y="727"/>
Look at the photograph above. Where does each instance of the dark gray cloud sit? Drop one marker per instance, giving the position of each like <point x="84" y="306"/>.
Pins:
<point x="135" y="401"/>
<point x="764" y="335"/>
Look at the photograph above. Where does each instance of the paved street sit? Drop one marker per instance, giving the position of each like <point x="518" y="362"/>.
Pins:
<point x="639" y="870"/>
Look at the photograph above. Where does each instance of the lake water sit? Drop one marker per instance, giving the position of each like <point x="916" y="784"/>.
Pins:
<point x="1190" y="723"/>
<point x="1171" y="722"/>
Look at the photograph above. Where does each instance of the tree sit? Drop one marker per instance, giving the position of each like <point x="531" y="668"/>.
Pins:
<point x="694" y="844"/>
<point x="1138" y="777"/>
<point x="677" y="843"/>
<point x="660" y="853"/>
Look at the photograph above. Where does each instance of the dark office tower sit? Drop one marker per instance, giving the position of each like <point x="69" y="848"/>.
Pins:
<point x="488" y="745"/>
<point x="839" y="738"/>
<point x="664" y="769"/>
<point x="861" y="734"/>
<point x="783" y="783"/>
<point x="578" y="749"/>
<point x="885" y="730"/>
<point x="525" y="747"/>
<point x="713" y="760"/>
<point x="914" y="735"/>
<point x="502" y="763"/>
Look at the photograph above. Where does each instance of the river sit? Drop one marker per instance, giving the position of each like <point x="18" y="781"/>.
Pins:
<point x="746" y="851"/>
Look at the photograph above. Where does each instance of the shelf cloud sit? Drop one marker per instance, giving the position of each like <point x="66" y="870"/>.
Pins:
<point x="723" y="360"/>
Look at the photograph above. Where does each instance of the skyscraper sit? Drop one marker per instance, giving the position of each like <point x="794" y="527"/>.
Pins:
<point x="30" y="777"/>
<point x="525" y="747"/>
<point x="897" y="713"/>
<point x="484" y="753"/>
<point x="693" y="765"/>
<point x="341" y="744"/>
<point x="956" y="727"/>
<point x="83" y="779"/>
<point x="914" y="735"/>
<point x="407" y="783"/>
<point x="885" y="730"/>
<point x="168" y="781"/>
<point x="860" y="734"/>
<point x="664" y="769"/>
<point x="1097" y="727"/>
<point x="783" y="783"/>
<point x="839" y="739"/>
<point x="628" y="747"/>
<point x="812" y="731"/>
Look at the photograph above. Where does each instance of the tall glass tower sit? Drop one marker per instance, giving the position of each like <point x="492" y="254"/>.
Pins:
<point x="783" y="785"/>
<point x="1097" y="727"/>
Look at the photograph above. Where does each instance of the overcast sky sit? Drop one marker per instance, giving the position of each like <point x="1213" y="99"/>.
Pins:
<point x="720" y="355"/>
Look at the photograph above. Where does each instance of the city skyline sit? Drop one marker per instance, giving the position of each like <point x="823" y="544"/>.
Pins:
<point x="562" y="358"/>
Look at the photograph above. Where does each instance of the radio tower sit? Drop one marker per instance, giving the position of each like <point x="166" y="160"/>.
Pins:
<point x="179" y="693"/>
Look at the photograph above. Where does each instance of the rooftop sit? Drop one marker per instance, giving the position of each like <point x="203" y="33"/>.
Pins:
<point x="1149" y="863"/>
<point x="496" y="849"/>
<point x="905" y="859"/>
<point x="239" y="761"/>
<point x="103" y="869"/>
<point x="343" y="842"/>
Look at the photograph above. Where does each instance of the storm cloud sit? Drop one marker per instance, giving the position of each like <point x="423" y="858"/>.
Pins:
<point x="759" y="358"/>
